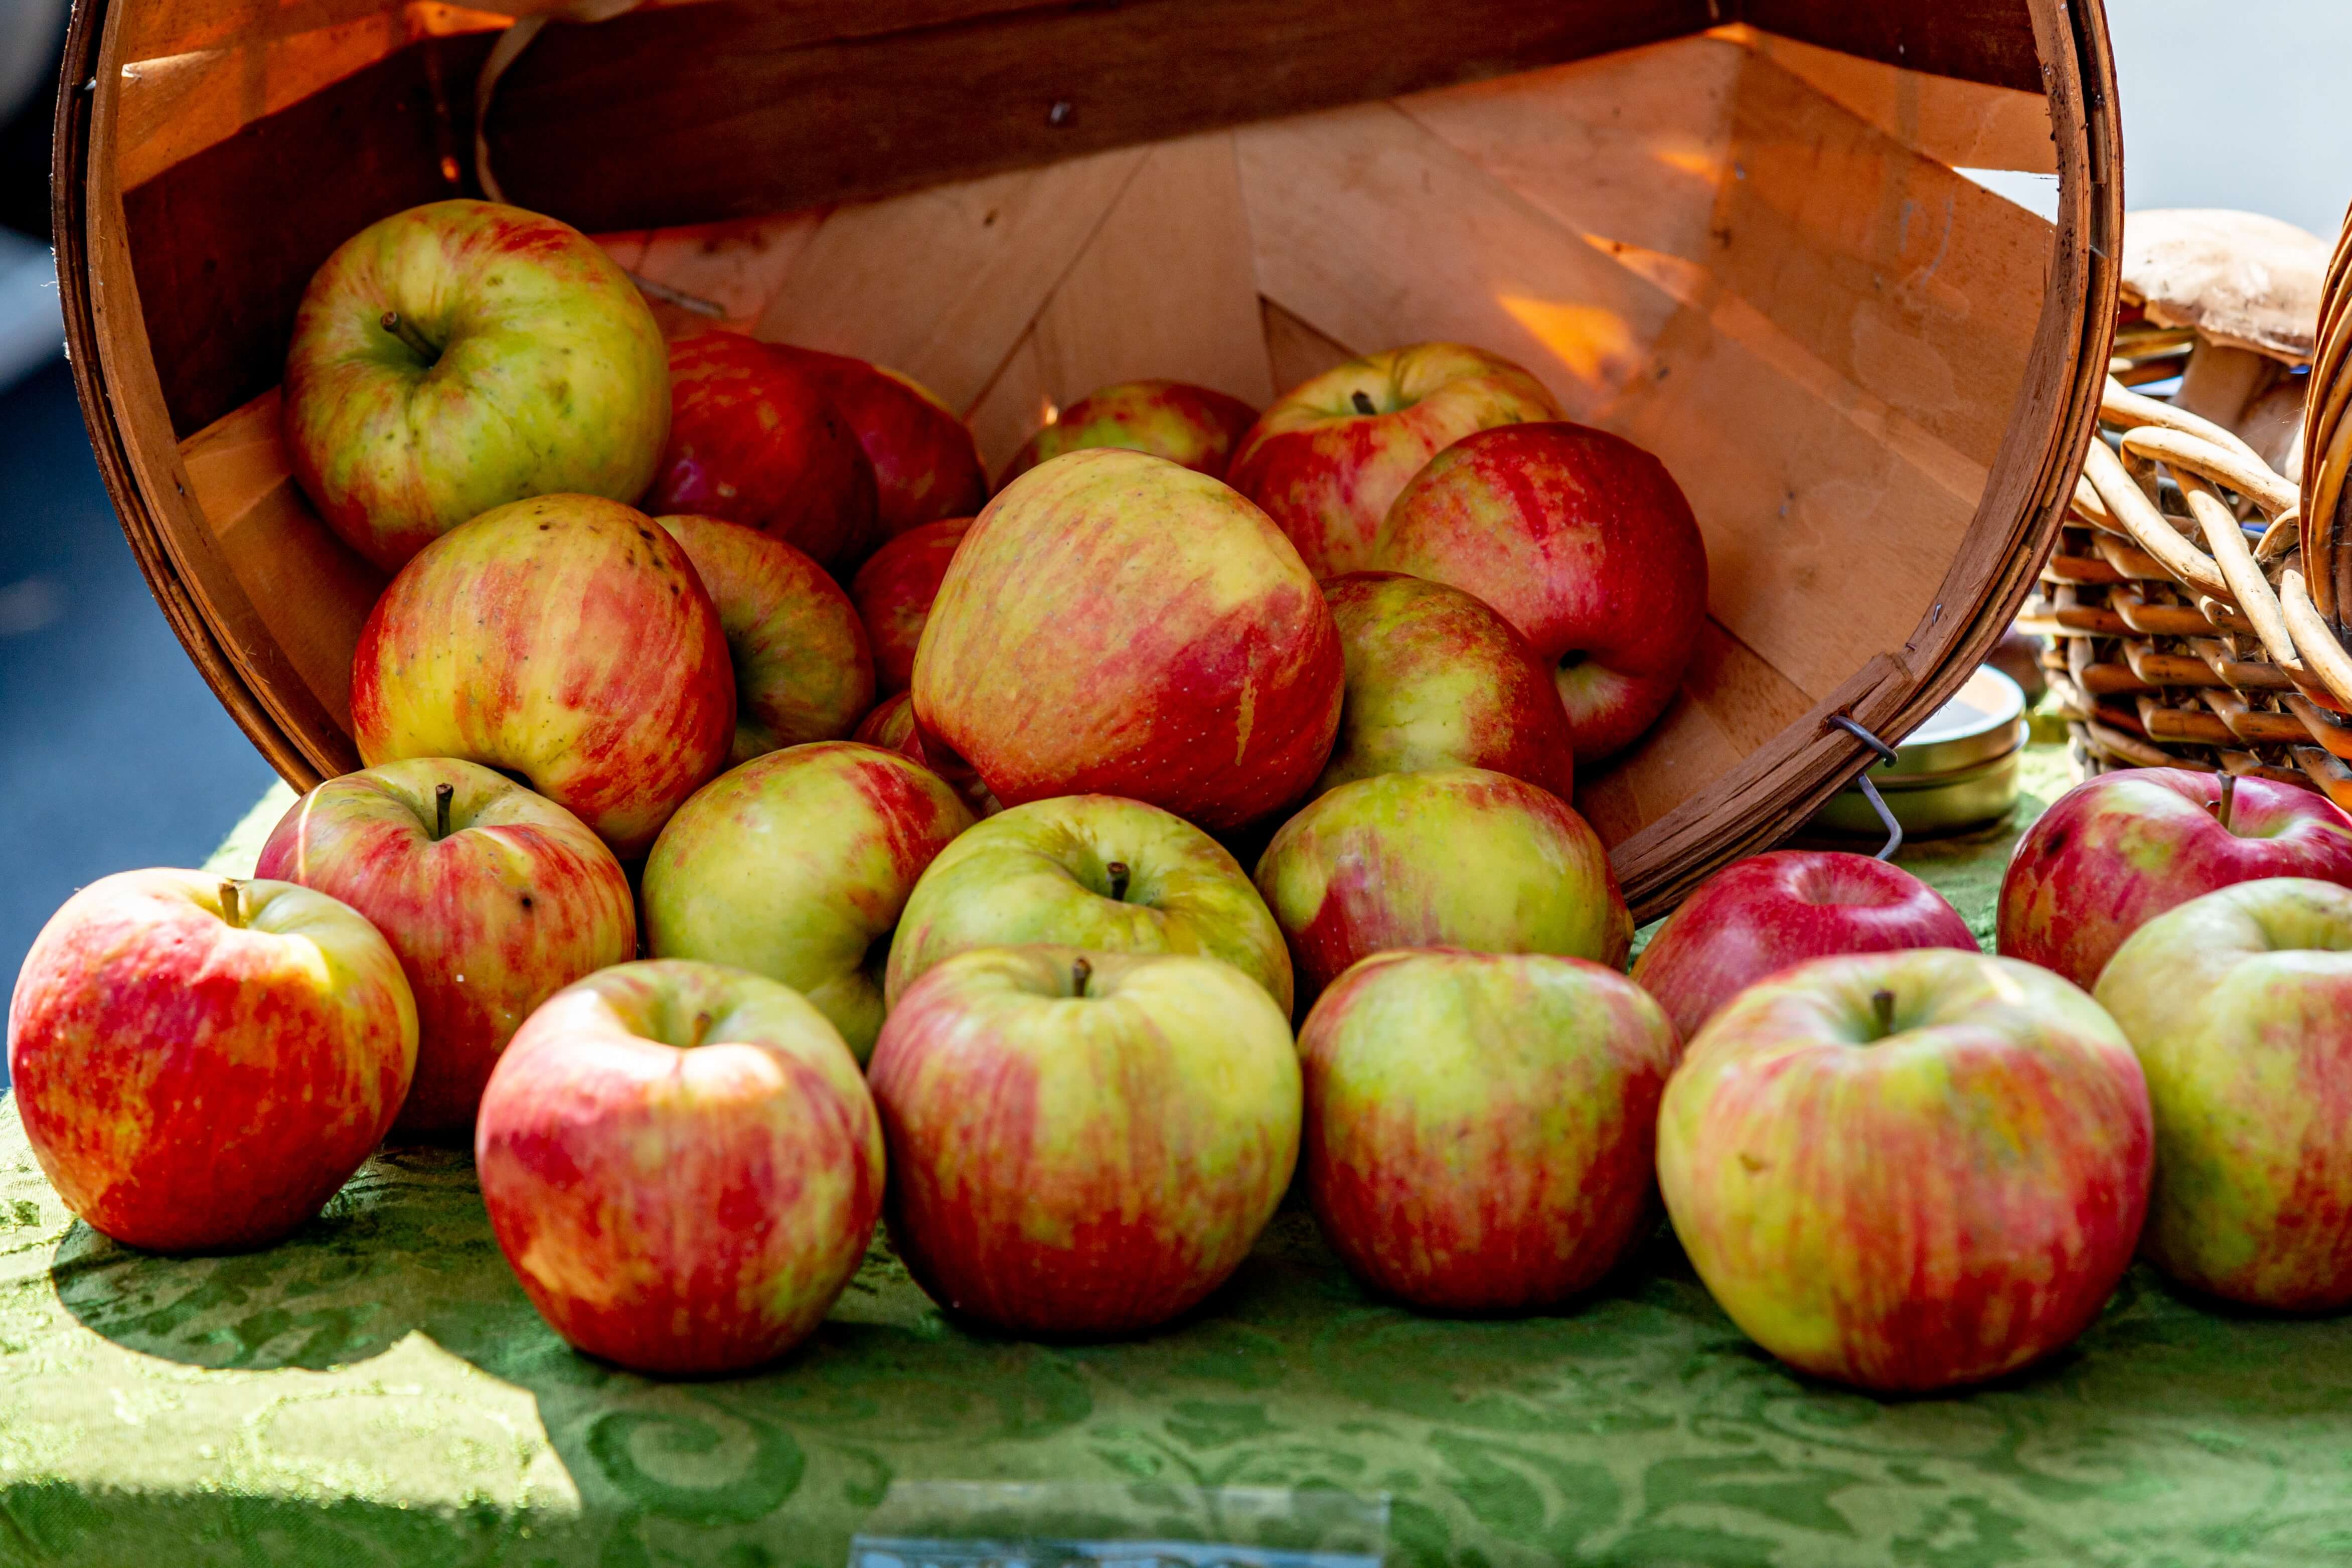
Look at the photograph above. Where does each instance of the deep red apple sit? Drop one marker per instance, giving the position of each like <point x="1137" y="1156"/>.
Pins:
<point x="925" y="465"/>
<point x="1583" y="542"/>
<point x="2118" y="850"/>
<point x="756" y="438"/>
<point x="1769" y="913"/>
<point x="893" y="591"/>
<point x="1115" y="624"/>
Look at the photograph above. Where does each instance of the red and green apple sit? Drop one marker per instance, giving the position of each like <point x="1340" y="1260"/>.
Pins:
<point x="493" y="898"/>
<point x="1908" y="1170"/>
<point x="1115" y="624"/>
<point x="682" y="1166"/>
<point x="804" y="670"/>
<point x="202" y="1063"/>
<point x="566" y="639"/>
<point x="1082" y="1142"/>
<point x="460" y="356"/>
<point x="1480" y="1127"/>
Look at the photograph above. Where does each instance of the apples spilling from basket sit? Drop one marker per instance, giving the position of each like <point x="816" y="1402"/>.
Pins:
<point x="934" y="820"/>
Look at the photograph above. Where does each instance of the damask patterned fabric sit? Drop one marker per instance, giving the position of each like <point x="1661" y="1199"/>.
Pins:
<point x="377" y="1392"/>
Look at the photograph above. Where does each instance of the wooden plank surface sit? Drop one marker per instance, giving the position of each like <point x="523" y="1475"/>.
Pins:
<point x="1963" y="124"/>
<point x="712" y="111"/>
<point x="1376" y="232"/>
<point x="1165" y="286"/>
<point x="941" y="284"/>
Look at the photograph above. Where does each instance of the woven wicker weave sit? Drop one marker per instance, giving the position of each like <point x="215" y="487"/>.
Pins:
<point x="2179" y="604"/>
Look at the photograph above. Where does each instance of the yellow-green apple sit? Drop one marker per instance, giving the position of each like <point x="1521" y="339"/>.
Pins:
<point x="2240" y="1006"/>
<point x="925" y="465"/>
<point x="460" y="356"/>
<point x="755" y="438"/>
<point x="681" y="1165"/>
<point x="1452" y="857"/>
<point x="2118" y="850"/>
<point x="892" y="727"/>
<point x="1115" y="624"/>
<point x="1082" y="1142"/>
<point x="1327" y="458"/>
<point x="1194" y="426"/>
<point x="1481" y="1129"/>
<point x="1436" y="680"/>
<point x="565" y="639"/>
<point x="1769" y="912"/>
<point x="1908" y="1170"/>
<point x="202" y="1063"/>
<point x="493" y="898"/>
<point x="804" y="670"/>
<point x="893" y="590"/>
<point x="1092" y="871"/>
<point x="796" y="866"/>
<point x="1583" y="542"/>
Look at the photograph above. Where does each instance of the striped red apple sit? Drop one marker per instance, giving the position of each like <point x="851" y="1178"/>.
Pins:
<point x="1115" y="624"/>
<point x="493" y="898"/>
<point x="201" y="1062"/>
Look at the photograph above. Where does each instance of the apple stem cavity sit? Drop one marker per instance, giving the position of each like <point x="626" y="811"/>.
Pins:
<point x="400" y="327"/>
<point x="1882" y="1012"/>
<point x="2228" y="803"/>
<point x="441" y="794"/>
<point x="231" y="909"/>
<point x="1080" y="973"/>
<point x="1118" y="874"/>
<point x="1363" y="402"/>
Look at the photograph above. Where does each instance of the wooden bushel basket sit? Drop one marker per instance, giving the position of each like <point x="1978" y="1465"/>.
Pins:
<point x="1730" y="230"/>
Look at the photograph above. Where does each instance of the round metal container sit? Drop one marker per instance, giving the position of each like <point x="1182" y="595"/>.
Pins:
<point x="1957" y="771"/>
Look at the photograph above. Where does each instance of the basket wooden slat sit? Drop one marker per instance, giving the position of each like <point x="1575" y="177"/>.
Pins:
<point x="1746" y="250"/>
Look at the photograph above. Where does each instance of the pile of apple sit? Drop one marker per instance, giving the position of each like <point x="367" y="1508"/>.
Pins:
<point x="998" y="944"/>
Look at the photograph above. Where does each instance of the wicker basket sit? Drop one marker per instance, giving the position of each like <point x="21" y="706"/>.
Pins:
<point x="1731" y="230"/>
<point x="2193" y="607"/>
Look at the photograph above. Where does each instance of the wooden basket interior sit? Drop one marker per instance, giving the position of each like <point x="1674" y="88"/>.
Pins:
<point x="1751" y="255"/>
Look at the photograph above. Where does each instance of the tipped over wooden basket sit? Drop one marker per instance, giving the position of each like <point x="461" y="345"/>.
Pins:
<point x="1730" y="230"/>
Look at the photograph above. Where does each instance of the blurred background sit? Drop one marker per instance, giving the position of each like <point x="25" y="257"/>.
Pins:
<point x="113" y="753"/>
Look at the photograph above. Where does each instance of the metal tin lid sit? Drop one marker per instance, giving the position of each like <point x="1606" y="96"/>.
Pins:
<point x="1984" y="722"/>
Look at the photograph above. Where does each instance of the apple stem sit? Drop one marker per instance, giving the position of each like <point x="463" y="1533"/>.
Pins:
<point x="2224" y="807"/>
<point x="230" y="910"/>
<point x="1882" y="1009"/>
<point x="1363" y="402"/>
<point x="405" y="331"/>
<point x="1080" y="972"/>
<point x="441" y="794"/>
<point x="1118" y="874"/>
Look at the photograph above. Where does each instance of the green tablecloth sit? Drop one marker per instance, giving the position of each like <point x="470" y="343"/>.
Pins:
<point x="377" y="1392"/>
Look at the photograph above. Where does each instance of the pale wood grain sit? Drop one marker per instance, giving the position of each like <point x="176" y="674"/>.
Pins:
<point x="942" y="283"/>
<point x="1165" y="288"/>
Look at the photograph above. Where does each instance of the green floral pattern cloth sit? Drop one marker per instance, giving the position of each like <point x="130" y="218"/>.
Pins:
<point x="377" y="1390"/>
